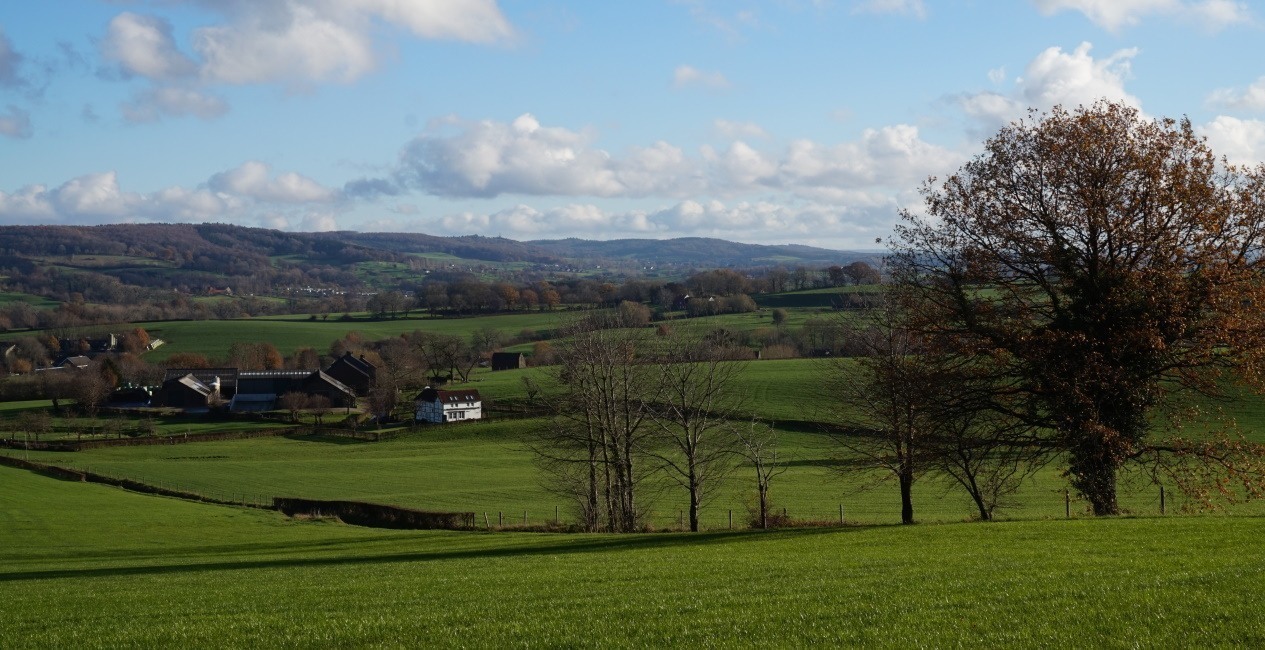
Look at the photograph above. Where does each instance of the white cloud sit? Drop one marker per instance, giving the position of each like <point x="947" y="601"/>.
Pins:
<point x="15" y="123"/>
<point x="1114" y="14"/>
<point x="155" y="103"/>
<point x="243" y="194"/>
<point x="251" y="180"/>
<point x="1055" y="77"/>
<point x="1242" y="142"/>
<point x="487" y="159"/>
<point x="914" y="8"/>
<point x="144" y="46"/>
<point x="762" y="221"/>
<point x="686" y="76"/>
<point x="1250" y="99"/>
<point x="295" y="42"/>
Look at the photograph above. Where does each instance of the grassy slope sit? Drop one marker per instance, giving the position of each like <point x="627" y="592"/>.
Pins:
<point x="289" y="333"/>
<point x="485" y="467"/>
<point x="92" y="566"/>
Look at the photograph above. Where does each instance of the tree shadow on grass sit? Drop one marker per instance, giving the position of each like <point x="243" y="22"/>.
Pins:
<point x="562" y="544"/>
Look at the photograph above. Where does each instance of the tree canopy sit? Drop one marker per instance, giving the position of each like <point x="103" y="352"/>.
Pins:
<point x="1092" y="262"/>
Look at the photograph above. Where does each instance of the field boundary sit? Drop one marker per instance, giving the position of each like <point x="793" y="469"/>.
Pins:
<point x="142" y="441"/>
<point x="67" y="474"/>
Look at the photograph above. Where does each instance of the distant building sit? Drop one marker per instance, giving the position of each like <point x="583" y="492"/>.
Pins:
<point x="508" y="360"/>
<point x="355" y="372"/>
<point x="187" y="392"/>
<point x="439" y="406"/>
<point x="259" y="390"/>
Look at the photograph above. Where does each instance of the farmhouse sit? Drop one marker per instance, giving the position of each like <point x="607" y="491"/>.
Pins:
<point x="508" y="360"/>
<point x="439" y="406"/>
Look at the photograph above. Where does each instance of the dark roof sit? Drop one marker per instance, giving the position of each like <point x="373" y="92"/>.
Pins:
<point x="429" y="394"/>
<point x="226" y="375"/>
<point x="358" y="363"/>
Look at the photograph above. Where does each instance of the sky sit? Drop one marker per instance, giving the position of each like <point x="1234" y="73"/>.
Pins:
<point x="764" y="121"/>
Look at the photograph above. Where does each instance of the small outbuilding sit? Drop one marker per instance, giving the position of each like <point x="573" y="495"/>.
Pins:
<point x="508" y="360"/>
<point x="440" y="406"/>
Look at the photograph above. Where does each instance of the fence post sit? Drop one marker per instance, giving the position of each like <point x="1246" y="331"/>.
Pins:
<point x="840" y="514"/>
<point x="556" y="520"/>
<point x="487" y="523"/>
<point x="1161" y="499"/>
<point x="731" y="519"/>
<point x="1067" y="503"/>
<point x="524" y="517"/>
<point x="500" y="519"/>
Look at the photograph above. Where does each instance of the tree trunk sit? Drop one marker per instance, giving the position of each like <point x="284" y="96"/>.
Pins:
<point x="1093" y="470"/>
<point x="764" y="505"/>
<point x="906" y="495"/>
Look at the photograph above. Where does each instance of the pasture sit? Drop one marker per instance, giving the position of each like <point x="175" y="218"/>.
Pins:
<point x="89" y="566"/>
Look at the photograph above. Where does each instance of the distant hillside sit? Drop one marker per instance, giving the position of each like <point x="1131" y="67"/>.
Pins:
<point x="699" y="252"/>
<point x="131" y="263"/>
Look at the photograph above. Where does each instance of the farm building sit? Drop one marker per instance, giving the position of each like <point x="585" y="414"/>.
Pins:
<point x="187" y="392"/>
<point x="508" y="360"/>
<point x="439" y="406"/>
<point x="246" y="390"/>
<point x="259" y="390"/>
<point x="354" y="372"/>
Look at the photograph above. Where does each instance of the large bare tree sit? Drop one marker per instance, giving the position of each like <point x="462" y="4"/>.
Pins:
<point x="1097" y="261"/>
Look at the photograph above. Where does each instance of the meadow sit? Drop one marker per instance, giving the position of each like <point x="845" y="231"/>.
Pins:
<point x="97" y="567"/>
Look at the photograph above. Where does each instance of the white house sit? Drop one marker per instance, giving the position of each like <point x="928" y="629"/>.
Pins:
<point x="438" y="406"/>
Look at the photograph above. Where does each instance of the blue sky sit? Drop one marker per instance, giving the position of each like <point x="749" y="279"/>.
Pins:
<point x="779" y="121"/>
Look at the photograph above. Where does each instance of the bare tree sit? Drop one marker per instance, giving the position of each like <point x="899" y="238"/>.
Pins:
<point x="694" y="444"/>
<point x="593" y="449"/>
<point x="887" y="407"/>
<point x="758" y="445"/>
<point x="293" y="402"/>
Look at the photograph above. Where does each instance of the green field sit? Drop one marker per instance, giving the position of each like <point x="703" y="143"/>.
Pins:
<point x="83" y="565"/>
<point x="289" y="333"/>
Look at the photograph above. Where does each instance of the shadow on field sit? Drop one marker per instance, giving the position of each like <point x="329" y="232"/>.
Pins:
<point x="557" y="546"/>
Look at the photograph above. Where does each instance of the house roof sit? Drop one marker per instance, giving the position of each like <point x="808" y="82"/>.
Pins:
<point x="429" y="394"/>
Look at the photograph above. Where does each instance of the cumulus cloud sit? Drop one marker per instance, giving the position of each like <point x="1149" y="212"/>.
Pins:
<point x="768" y="221"/>
<point x="155" y="103"/>
<point x="144" y="46"/>
<point x="1250" y="99"/>
<point x="1115" y="14"/>
<point x="1055" y="77"/>
<point x="292" y="42"/>
<point x="252" y="180"/>
<point x="241" y="194"/>
<point x="687" y="76"/>
<point x="914" y="8"/>
<point x="15" y="123"/>
<point x="487" y="159"/>
<point x="1242" y="142"/>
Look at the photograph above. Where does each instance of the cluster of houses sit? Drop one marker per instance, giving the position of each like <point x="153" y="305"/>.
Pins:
<point x="348" y="377"/>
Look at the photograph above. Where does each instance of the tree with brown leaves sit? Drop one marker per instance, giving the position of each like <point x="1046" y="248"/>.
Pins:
<point x="1095" y="262"/>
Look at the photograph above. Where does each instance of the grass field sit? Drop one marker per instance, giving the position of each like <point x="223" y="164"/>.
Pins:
<point x="486" y="467"/>
<point x="288" y="333"/>
<point x="82" y="565"/>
